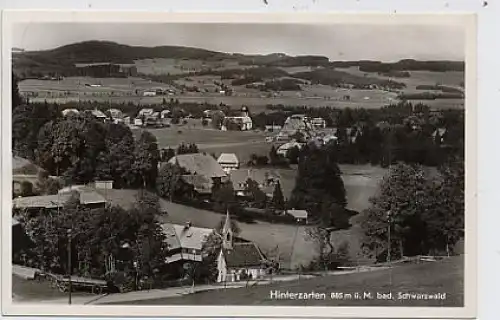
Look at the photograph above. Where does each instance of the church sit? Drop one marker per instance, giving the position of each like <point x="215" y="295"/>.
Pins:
<point x="238" y="260"/>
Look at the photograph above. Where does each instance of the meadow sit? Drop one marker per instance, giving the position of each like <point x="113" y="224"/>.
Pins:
<point x="445" y="276"/>
<point x="289" y="242"/>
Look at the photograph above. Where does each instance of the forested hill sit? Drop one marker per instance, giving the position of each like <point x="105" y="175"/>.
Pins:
<point x="62" y="59"/>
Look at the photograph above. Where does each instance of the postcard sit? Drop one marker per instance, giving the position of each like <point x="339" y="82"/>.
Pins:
<point x="235" y="165"/>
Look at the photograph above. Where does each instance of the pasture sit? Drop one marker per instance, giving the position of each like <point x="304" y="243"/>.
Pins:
<point x="159" y="66"/>
<point x="445" y="276"/>
<point x="450" y="78"/>
<point x="241" y="143"/>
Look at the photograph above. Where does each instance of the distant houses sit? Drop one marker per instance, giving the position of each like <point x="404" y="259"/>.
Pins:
<point x="266" y="180"/>
<point x="241" y="122"/>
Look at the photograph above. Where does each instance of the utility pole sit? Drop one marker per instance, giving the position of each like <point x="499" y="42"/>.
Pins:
<point x="69" y="266"/>
<point x="388" y="236"/>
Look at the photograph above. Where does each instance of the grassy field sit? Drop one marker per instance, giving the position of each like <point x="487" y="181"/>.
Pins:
<point x="241" y="143"/>
<point x="28" y="290"/>
<point x="294" y="246"/>
<point x="445" y="277"/>
<point x="160" y="66"/>
<point x="451" y="78"/>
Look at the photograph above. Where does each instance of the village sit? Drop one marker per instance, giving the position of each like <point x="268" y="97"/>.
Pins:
<point x="126" y="188"/>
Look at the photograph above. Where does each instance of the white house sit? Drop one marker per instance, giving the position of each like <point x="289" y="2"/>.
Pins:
<point x="238" y="261"/>
<point x="165" y="113"/>
<point x="318" y="123"/>
<point x="67" y="112"/>
<point x="299" y="215"/>
<point x="149" y="93"/>
<point x="228" y="162"/>
<point x="145" y="112"/>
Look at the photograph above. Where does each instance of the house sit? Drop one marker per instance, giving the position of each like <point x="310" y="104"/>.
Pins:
<point x="98" y="114"/>
<point x="165" y="114"/>
<point x="149" y="93"/>
<point x="228" y="162"/>
<point x="185" y="242"/>
<point x="272" y="128"/>
<point x="266" y="179"/>
<point x="318" y="123"/>
<point x="284" y="148"/>
<point x="299" y="215"/>
<point x="239" y="261"/>
<point x="145" y="112"/>
<point x="199" y="164"/>
<point x="87" y="197"/>
<point x="115" y="113"/>
<point x="243" y="121"/>
<point x="68" y="112"/>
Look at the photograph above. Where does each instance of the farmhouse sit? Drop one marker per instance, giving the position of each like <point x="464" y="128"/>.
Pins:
<point x="145" y="112"/>
<point x="228" y="162"/>
<point x="99" y="115"/>
<point x="318" y="123"/>
<point x="199" y="164"/>
<point x="165" y="114"/>
<point x="238" y="261"/>
<point x="149" y="93"/>
<point x="243" y="121"/>
<point x="185" y="242"/>
<point x="68" y="112"/>
<point x="115" y="113"/>
<point x="266" y="179"/>
<point x="300" y="215"/>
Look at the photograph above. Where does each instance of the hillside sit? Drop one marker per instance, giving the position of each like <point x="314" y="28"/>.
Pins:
<point x="61" y="60"/>
<point x="445" y="277"/>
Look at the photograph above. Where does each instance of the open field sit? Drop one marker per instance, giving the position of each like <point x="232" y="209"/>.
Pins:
<point x="160" y="66"/>
<point x="268" y="236"/>
<point x="33" y="290"/>
<point x="445" y="277"/>
<point x="450" y="78"/>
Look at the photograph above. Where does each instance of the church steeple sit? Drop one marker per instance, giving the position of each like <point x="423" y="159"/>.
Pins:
<point x="227" y="233"/>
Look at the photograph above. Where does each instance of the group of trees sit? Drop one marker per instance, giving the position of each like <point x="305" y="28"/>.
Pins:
<point x="423" y="209"/>
<point x="81" y="149"/>
<point x="109" y="243"/>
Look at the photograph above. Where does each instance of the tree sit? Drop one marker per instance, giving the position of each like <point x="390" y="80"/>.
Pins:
<point x="293" y="155"/>
<point x="27" y="189"/>
<point x="217" y="119"/>
<point x="255" y="194"/>
<point x="167" y="154"/>
<point x="16" y="97"/>
<point x="115" y="162"/>
<point x="444" y="212"/>
<point x="223" y="196"/>
<point x="169" y="183"/>
<point x="146" y="156"/>
<point x="399" y="204"/>
<point x="278" y="198"/>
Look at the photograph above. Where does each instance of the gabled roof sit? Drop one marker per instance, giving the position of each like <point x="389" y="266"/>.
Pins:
<point x="243" y="255"/>
<point x="179" y="236"/>
<point x="58" y="200"/>
<point x="298" y="214"/>
<point x="199" y="164"/>
<point x="24" y="166"/>
<point x="228" y="158"/>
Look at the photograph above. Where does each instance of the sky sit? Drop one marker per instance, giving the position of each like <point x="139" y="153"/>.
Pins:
<point x="337" y="42"/>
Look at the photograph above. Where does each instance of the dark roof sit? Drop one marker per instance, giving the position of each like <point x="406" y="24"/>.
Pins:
<point x="243" y="254"/>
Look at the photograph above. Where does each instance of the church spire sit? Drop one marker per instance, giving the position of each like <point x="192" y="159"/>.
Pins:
<point x="227" y="233"/>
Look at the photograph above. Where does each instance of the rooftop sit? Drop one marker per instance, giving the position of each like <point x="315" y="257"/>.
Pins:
<point x="182" y="236"/>
<point x="265" y="179"/>
<point x="299" y="214"/>
<point x="58" y="200"/>
<point x="199" y="164"/>
<point x="228" y="158"/>
<point x="244" y="255"/>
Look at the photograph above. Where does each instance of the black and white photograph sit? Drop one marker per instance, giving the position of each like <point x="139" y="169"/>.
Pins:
<point x="240" y="163"/>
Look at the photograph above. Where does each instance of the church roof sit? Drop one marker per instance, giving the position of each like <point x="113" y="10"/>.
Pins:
<point x="243" y="254"/>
